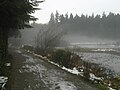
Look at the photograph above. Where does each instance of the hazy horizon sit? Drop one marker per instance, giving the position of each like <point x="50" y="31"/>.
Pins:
<point x="76" y="7"/>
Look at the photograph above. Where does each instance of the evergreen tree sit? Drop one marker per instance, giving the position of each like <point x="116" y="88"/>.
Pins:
<point x="71" y="16"/>
<point x="105" y="26"/>
<point x="52" y="19"/>
<point x="66" y="16"/>
<point x="57" y="17"/>
<point x="14" y="15"/>
<point x="62" y="19"/>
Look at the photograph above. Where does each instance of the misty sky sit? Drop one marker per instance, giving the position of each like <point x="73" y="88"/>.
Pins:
<point x="76" y="6"/>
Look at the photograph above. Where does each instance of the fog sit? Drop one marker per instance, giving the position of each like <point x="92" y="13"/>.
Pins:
<point x="74" y="38"/>
<point x="76" y="29"/>
<point x="28" y="38"/>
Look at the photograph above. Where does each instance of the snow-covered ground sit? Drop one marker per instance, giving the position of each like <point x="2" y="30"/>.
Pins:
<point x="109" y="61"/>
<point x="51" y="78"/>
<point x="95" y="45"/>
<point x="106" y="49"/>
<point x="73" y="71"/>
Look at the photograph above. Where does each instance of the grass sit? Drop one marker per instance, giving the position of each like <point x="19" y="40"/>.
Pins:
<point x="102" y="87"/>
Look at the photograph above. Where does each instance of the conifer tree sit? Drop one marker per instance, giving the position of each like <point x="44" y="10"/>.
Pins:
<point x="14" y="15"/>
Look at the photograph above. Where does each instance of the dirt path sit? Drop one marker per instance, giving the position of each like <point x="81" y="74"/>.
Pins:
<point x="32" y="73"/>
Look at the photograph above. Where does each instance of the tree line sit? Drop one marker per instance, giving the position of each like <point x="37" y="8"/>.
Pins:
<point x="104" y="26"/>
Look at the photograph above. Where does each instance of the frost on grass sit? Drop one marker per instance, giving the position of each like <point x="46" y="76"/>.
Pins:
<point x="108" y="61"/>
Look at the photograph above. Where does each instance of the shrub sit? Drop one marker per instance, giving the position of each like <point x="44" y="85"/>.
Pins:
<point x="118" y="78"/>
<point x="61" y="57"/>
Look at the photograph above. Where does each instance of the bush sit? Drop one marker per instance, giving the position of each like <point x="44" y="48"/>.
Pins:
<point x="61" y="57"/>
<point x="118" y="78"/>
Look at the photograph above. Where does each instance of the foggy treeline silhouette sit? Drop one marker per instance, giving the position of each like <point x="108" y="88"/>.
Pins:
<point x="95" y="26"/>
<point x="105" y="26"/>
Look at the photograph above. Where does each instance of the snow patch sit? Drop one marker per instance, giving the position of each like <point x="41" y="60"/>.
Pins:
<point x="33" y="68"/>
<point x="8" y="64"/>
<point x="56" y="82"/>
<point x="29" y="59"/>
<point x="74" y="71"/>
<point x="93" y="77"/>
<point x="54" y="63"/>
<point x="18" y="51"/>
<point x="3" y="81"/>
<point x="38" y="55"/>
<point x="111" y="88"/>
<point x="66" y="86"/>
<point x="51" y="78"/>
<point x="106" y="49"/>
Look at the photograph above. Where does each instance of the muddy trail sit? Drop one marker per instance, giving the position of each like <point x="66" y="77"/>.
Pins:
<point x="32" y="73"/>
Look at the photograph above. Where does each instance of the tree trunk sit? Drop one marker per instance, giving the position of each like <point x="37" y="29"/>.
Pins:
<point x="3" y="44"/>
